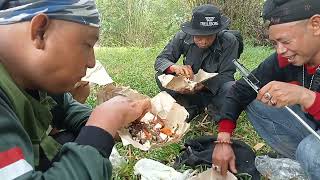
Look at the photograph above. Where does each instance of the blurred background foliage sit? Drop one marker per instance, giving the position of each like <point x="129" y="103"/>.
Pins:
<point x="139" y="23"/>
<point x="149" y="23"/>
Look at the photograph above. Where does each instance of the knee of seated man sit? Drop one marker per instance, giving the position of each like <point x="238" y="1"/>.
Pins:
<point x="226" y="86"/>
<point x="307" y="153"/>
<point x="257" y="106"/>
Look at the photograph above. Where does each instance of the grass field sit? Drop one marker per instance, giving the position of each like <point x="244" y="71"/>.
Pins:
<point x="134" y="67"/>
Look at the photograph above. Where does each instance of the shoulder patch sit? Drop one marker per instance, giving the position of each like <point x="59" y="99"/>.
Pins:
<point x="13" y="164"/>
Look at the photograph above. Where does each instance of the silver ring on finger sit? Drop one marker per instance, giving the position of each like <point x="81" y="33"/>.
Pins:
<point x="216" y="168"/>
<point x="273" y="103"/>
<point x="267" y="96"/>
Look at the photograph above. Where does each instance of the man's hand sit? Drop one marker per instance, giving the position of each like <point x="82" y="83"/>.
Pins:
<point x="223" y="155"/>
<point x="280" y="94"/>
<point x="118" y="112"/>
<point x="182" y="70"/>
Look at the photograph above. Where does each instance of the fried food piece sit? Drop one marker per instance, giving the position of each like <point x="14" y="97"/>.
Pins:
<point x="166" y="131"/>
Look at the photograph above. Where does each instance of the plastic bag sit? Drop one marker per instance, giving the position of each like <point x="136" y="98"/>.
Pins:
<point x="115" y="159"/>
<point x="279" y="169"/>
<point x="153" y="170"/>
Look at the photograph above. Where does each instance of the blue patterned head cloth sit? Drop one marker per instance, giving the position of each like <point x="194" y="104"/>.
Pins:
<point x="79" y="11"/>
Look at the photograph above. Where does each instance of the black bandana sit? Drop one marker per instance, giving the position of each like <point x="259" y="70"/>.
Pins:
<point x="284" y="11"/>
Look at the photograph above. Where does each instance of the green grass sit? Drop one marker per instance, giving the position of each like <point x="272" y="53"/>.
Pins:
<point x="134" y="67"/>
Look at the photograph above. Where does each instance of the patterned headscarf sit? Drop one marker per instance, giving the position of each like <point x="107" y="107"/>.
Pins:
<point x="79" y="11"/>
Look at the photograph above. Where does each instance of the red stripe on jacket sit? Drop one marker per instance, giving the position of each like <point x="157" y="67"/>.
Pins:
<point x="314" y="109"/>
<point x="283" y="62"/>
<point x="10" y="156"/>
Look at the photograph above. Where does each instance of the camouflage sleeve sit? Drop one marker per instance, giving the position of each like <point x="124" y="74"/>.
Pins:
<point x="70" y="114"/>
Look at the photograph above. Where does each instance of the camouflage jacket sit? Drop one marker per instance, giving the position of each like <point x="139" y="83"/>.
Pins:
<point x="23" y="121"/>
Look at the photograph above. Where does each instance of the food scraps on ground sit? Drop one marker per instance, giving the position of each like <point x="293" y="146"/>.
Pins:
<point x="151" y="129"/>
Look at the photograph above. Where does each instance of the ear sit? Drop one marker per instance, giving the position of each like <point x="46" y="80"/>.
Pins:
<point x="39" y="26"/>
<point x="314" y="23"/>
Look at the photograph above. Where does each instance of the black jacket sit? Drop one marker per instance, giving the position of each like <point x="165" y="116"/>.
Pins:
<point x="271" y="69"/>
<point x="216" y="59"/>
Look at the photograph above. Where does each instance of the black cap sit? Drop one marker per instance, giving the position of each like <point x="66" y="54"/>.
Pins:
<point x="284" y="11"/>
<point x="206" y="20"/>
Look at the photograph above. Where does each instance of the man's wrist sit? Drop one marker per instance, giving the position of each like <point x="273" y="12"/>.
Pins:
<point x="109" y="123"/>
<point x="97" y="138"/>
<point x="224" y="136"/>
<point x="172" y="68"/>
<point x="307" y="99"/>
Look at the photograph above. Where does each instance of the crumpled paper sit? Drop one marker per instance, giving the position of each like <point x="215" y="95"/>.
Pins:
<point x="210" y="174"/>
<point x="153" y="170"/>
<point x="97" y="75"/>
<point x="109" y="91"/>
<point x="177" y="83"/>
<point x="166" y="108"/>
<point x="163" y="105"/>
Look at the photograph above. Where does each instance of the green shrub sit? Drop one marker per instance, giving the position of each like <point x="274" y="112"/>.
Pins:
<point x="145" y="23"/>
<point x="244" y="15"/>
<point x="139" y="23"/>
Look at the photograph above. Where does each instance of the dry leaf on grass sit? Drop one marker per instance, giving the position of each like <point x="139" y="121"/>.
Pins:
<point x="258" y="146"/>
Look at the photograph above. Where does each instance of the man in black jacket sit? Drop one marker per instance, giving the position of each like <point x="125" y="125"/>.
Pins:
<point x="289" y="77"/>
<point x="204" y="46"/>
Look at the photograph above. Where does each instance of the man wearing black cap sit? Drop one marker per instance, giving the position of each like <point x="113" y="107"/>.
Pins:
<point x="289" y="77"/>
<point x="204" y="47"/>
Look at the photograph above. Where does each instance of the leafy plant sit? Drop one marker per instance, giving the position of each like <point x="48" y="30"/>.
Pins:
<point x="244" y="15"/>
<point x="140" y="23"/>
